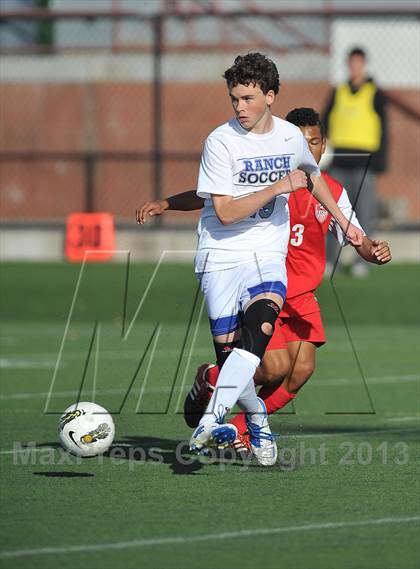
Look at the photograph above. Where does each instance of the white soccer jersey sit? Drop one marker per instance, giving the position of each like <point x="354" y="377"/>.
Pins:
<point x="236" y="162"/>
<point x="348" y="211"/>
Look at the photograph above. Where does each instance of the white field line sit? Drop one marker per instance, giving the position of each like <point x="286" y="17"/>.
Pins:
<point x="76" y="354"/>
<point x="28" y="450"/>
<point x="291" y="437"/>
<point x="182" y="540"/>
<point x="349" y="434"/>
<point x="327" y="382"/>
<point x="403" y="418"/>
<point x="64" y="394"/>
<point x="369" y="380"/>
<point x="49" y="359"/>
<point x="9" y="363"/>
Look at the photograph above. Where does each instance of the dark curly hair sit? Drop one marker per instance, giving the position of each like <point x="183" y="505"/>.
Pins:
<point x="305" y="116"/>
<point x="357" y="51"/>
<point x="253" y="69"/>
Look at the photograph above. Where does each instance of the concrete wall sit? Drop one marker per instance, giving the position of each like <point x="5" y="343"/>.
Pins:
<point x="148" y="245"/>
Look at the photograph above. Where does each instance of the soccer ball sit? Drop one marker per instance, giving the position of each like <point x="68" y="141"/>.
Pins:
<point x="86" y="429"/>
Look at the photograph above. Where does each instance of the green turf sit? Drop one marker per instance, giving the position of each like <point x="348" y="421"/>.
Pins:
<point x="348" y="454"/>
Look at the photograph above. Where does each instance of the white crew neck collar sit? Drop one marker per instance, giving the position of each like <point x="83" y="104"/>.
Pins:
<point x="247" y="133"/>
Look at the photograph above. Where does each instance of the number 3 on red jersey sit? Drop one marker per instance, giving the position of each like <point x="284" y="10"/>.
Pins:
<point x="297" y="234"/>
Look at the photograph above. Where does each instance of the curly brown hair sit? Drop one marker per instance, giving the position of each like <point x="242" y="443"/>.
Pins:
<point x="253" y="69"/>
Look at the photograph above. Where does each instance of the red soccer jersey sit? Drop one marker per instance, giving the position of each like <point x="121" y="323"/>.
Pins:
<point x="309" y="222"/>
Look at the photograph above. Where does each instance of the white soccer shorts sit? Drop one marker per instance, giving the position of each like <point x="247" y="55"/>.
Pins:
<point x="228" y="291"/>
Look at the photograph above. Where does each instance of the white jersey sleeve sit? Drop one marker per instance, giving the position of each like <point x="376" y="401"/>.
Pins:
<point x="308" y="163"/>
<point x="215" y="175"/>
<point x="347" y="210"/>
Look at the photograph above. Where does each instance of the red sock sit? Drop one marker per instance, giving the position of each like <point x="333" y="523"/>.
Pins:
<point x="211" y="375"/>
<point x="239" y="422"/>
<point x="275" y="397"/>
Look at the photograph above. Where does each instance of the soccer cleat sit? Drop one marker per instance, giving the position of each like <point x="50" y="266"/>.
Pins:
<point x="198" y="397"/>
<point x="212" y="435"/>
<point x="242" y="445"/>
<point x="262" y="441"/>
<point x="224" y="435"/>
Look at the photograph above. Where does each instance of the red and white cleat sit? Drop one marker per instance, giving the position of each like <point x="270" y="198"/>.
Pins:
<point x="198" y="397"/>
<point x="242" y="445"/>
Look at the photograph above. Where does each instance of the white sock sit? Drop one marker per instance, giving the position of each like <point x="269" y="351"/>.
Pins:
<point x="249" y="402"/>
<point x="235" y="376"/>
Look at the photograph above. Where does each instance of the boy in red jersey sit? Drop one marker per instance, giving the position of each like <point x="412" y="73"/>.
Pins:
<point x="299" y="327"/>
<point x="290" y="355"/>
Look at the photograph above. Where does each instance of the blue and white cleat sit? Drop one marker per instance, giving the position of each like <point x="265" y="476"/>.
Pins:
<point x="212" y="435"/>
<point x="262" y="441"/>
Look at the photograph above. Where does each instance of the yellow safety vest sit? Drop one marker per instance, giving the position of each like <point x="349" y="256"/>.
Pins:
<point x="353" y="122"/>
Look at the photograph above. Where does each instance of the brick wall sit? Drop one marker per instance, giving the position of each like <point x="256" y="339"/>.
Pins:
<point x="118" y="117"/>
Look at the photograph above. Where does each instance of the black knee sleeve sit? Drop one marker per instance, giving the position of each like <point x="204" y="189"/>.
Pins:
<point x="254" y="339"/>
<point x="223" y="351"/>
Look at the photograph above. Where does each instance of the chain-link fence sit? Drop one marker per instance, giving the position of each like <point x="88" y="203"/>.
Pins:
<point x="103" y="110"/>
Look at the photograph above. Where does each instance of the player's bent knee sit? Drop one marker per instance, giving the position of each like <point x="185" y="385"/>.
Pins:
<point x="274" y="368"/>
<point x="307" y="368"/>
<point x="300" y="374"/>
<point x="270" y="377"/>
<point x="267" y="328"/>
<point x="258" y="325"/>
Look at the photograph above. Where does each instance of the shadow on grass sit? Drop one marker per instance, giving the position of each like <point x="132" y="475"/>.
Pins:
<point x="175" y="452"/>
<point x="157" y="450"/>
<point x="154" y="450"/>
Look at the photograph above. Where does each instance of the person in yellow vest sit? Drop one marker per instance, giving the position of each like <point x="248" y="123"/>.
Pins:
<point x="356" y="125"/>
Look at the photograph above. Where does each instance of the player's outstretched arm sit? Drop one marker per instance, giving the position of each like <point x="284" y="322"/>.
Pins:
<point x="323" y="194"/>
<point x="230" y="210"/>
<point x="374" y="251"/>
<point x="185" y="201"/>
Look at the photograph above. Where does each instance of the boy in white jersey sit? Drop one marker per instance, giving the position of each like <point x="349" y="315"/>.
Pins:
<point x="248" y="167"/>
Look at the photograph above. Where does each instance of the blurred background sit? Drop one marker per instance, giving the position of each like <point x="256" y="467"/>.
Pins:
<point x="105" y="104"/>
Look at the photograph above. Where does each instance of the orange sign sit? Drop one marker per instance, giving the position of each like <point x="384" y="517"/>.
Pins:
<point x="93" y="232"/>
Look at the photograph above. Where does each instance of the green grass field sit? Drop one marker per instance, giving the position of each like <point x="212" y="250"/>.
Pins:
<point x="345" y="493"/>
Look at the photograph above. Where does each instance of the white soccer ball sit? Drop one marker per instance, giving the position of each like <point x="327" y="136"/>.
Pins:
<point x="86" y="429"/>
